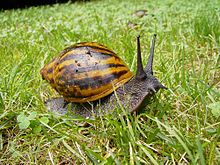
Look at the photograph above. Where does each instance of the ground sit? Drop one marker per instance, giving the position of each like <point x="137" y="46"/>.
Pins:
<point x="178" y="126"/>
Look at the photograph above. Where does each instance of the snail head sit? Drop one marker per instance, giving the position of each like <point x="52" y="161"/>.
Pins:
<point x="146" y="74"/>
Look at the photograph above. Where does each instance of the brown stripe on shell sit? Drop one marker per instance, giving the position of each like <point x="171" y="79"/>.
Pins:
<point x="73" y="68"/>
<point x="95" y="82"/>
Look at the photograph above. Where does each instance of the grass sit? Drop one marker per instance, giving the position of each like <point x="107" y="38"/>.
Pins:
<point x="178" y="126"/>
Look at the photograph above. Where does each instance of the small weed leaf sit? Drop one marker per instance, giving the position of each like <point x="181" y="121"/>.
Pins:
<point x="32" y="115"/>
<point x="44" y="120"/>
<point x="21" y="117"/>
<point x="36" y="126"/>
<point x="37" y="129"/>
<point x="215" y="108"/>
<point x="27" y="121"/>
<point x="23" y="121"/>
<point x="24" y="124"/>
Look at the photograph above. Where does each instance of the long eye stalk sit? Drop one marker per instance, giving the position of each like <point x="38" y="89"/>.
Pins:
<point x="149" y="68"/>
<point x="140" y="74"/>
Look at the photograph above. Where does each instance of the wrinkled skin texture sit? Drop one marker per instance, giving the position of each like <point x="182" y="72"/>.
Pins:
<point x="130" y="97"/>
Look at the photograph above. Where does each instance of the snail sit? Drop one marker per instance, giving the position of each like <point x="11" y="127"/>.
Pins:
<point x="96" y="81"/>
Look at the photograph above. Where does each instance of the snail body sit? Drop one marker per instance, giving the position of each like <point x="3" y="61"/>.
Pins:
<point x="96" y="81"/>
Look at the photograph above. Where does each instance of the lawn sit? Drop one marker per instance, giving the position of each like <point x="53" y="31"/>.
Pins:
<point x="178" y="126"/>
